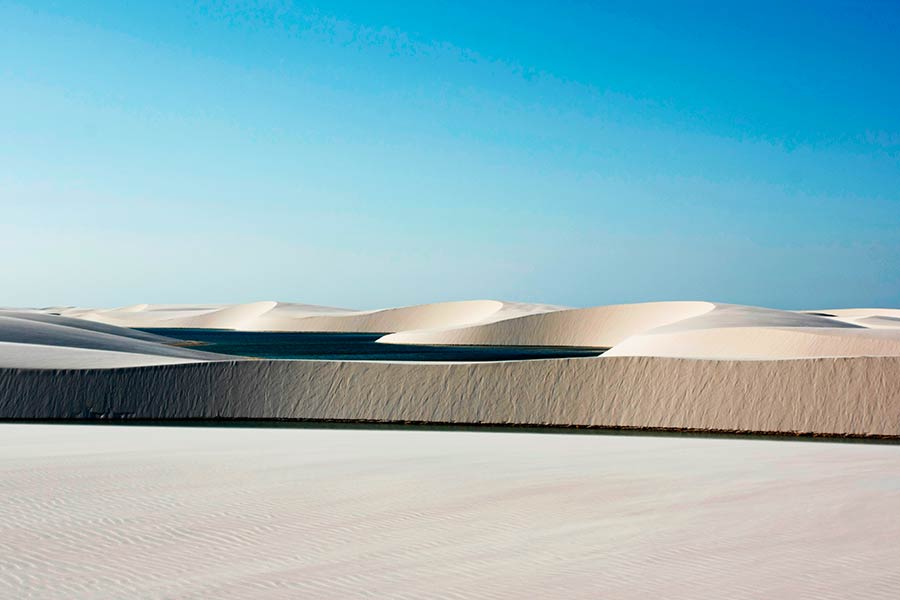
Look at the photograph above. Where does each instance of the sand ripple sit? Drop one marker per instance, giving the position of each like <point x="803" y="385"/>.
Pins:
<point x="100" y="512"/>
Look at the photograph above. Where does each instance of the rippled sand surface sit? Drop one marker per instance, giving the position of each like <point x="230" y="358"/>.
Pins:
<point x="141" y="512"/>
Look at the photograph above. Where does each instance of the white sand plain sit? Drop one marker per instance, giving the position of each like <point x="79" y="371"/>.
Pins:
<point x="672" y="365"/>
<point x="134" y="512"/>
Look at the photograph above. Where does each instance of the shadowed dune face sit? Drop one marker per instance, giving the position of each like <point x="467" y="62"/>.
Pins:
<point x="832" y="396"/>
<point x="35" y="340"/>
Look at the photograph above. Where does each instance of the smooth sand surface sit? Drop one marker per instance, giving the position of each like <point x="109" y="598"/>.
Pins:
<point x="133" y="512"/>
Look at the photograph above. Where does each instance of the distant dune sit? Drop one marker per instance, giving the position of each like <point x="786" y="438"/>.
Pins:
<point x="671" y="365"/>
<point x="278" y="316"/>
<point x="602" y="326"/>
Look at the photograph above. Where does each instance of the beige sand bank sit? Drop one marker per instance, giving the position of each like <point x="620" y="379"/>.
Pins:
<point x="129" y="512"/>
<point x="834" y="396"/>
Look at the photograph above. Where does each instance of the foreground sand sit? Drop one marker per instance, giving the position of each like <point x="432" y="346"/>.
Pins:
<point x="103" y="512"/>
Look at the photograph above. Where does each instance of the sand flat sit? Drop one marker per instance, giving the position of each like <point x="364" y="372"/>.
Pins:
<point x="104" y="511"/>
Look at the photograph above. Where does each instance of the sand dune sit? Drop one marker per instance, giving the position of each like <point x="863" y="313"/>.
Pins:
<point x="392" y="319"/>
<point x="684" y="330"/>
<point x="762" y="343"/>
<point x="680" y="365"/>
<point x="82" y="324"/>
<point x="751" y="333"/>
<point x="36" y="356"/>
<point x="135" y="512"/>
<point x="867" y="317"/>
<point x="279" y="316"/>
<point x="602" y="326"/>
<point x="735" y="315"/>
<point x="35" y="340"/>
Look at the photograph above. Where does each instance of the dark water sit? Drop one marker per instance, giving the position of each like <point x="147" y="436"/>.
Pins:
<point x="354" y="346"/>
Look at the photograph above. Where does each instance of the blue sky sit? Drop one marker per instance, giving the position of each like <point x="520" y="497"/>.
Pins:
<point x="368" y="154"/>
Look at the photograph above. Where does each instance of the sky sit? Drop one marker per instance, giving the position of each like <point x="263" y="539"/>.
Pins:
<point x="370" y="154"/>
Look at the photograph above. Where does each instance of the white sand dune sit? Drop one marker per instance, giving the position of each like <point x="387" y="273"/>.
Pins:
<point x="134" y="512"/>
<point x="602" y="326"/>
<point x="393" y="319"/>
<point x="279" y="316"/>
<point x="762" y="343"/>
<point x="36" y="356"/>
<point x="751" y="333"/>
<point x="683" y="330"/>
<point x="888" y="318"/>
<point x="36" y="340"/>
<point x="82" y="324"/>
<point x="673" y="365"/>
<point x="735" y="315"/>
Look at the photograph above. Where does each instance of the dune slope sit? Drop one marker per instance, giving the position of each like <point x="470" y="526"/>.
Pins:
<point x="858" y="396"/>
<point x="47" y="341"/>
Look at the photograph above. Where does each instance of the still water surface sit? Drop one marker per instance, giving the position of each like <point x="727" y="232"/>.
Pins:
<point x="354" y="346"/>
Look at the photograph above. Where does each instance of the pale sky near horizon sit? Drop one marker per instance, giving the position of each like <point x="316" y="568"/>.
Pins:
<point x="367" y="154"/>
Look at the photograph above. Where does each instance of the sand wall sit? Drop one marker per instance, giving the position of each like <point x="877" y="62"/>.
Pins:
<point x="859" y="396"/>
